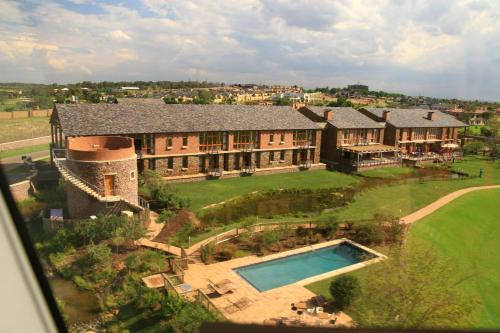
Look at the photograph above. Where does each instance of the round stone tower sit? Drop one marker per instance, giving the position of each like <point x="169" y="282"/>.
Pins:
<point x="101" y="172"/>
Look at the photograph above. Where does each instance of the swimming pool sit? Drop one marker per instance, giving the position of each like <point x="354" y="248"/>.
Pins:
<point x="280" y="272"/>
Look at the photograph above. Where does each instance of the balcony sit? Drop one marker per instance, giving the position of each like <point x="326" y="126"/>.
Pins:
<point x="247" y="148"/>
<point x="212" y="150"/>
<point x="302" y="144"/>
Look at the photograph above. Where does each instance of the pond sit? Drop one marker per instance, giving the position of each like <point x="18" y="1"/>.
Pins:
<point x="275" y="203"/>
<point x="268" y="204"/>
<point x="80" y="306"/>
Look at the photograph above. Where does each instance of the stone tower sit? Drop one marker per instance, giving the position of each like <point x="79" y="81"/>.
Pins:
<point x="101" y="172"/>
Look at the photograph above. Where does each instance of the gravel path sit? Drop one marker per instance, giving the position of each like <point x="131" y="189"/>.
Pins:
<point x="413" y="217"/>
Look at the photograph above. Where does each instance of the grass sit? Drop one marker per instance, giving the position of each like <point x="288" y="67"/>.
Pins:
<point x="23" y="128"/>
<point x="403" y="199"/>
<point x="24" y="150"/>
<point x="386" y="172"/>
<point x="466" y="232"/>
<point x="205" y="193"/>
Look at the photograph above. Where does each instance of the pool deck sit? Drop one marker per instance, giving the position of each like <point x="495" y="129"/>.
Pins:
<point x="275" y="303"/>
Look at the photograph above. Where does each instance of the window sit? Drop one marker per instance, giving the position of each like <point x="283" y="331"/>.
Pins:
<point x="184" y="162"/>
<point x="244" y="139"/>
<point x="345" y="137"/>
<point x="282" y="155"/>
<point x="169" y="142"/>
<point x="132" y="175"/>
<point x="271" y="138"/>
<point x="170" y="163"/>
<point x="212" y="140"/>
<point x="282" y="138"/>
<point x="433" y="133"/>
<point x="375" y="135"/>
<point x="185" y="141"/>
<point x="418" y="134"/>
<point x="271" y="157"/>
<point x="301" y="138"/>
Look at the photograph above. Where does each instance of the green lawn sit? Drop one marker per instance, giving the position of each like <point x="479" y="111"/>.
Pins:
<point x="466" y="232"/>
<point x="24" y="150"/>
<point x="403" y="199"/>
<point x="209" y="192"/>
<point x="23" y="128"/>
<point x="386" y="172"/>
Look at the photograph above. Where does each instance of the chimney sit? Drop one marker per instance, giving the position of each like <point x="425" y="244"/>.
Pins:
<point x="328" y="114"/>
<point x="431" y="115"/>
<point x="385" y="115"/>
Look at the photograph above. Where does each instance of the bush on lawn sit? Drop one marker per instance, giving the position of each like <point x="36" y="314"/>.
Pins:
<point x="344" y="290"/>
<point x="368" y="233"/>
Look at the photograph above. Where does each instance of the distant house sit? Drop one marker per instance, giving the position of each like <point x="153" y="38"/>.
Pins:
<point x="183" y="142"/>
<point x="351" y="141"/>
<point x="130" y="88"/>
<point x="421" y="135"/>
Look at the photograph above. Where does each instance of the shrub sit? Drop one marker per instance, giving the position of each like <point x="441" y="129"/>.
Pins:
<point x="368" y="233"/>
<point x="97" y="254"/>
<point x="226" y="251"/>
<point x="207" y="252"/>
<point x="394" y="231"/>
<point x="164" y="216"/>
<point x="82" y="283"/>
<point x="344" y="290"/>
<point x="270" y="238"/>
<point x="327" y="226"/>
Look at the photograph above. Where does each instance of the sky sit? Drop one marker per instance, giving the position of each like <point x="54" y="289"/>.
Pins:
<point x="440" y="48"/>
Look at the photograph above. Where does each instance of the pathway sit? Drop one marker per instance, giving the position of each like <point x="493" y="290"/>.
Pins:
<point x="153" y="231"/>
<point x="413" y="217"/>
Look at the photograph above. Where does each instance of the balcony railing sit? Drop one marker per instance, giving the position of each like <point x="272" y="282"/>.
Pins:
<point x="247" y="148"/>
<point x="302" y="144"/>
<point x="376" y="162"/>
<point x="212" y="149"/>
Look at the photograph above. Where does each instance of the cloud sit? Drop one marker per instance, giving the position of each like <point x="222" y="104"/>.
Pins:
<point x="437" y="47"/>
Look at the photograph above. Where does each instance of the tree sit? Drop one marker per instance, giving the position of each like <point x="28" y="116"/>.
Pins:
<point x="170" y="100"/>
<point x="341" y="102"/>
<point x="344" y="290"/>
<point x="413" y="289"/>
<point x="283" y="101"/>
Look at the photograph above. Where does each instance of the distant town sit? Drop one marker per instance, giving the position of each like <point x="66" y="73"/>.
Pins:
<point x="22" y="97"/>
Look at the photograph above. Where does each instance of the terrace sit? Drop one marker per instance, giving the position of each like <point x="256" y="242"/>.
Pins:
<point x="241" y="302"/>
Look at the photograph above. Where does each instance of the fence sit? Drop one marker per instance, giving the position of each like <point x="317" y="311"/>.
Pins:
<point x="25" y="114"/>
<point x="197" y="295"/>
<point x="259" y="227"/>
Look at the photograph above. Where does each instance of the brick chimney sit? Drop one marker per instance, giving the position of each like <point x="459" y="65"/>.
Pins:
<point x="385" y="115"/>
<point x="328" y="114"/>
<point x="431" y="115"/>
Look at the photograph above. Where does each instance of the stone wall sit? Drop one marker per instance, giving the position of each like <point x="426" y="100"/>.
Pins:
<point x="125" y="172"/>
<point x="22" y="190"/>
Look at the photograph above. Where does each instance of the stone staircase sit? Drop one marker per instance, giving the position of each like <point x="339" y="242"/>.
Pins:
<point x="88" y="188"/>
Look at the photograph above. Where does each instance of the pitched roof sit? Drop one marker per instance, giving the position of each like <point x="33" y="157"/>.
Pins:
<point x="151" y="117"/>
<point x="416" y="118"/>
<point x="346" y="117"/>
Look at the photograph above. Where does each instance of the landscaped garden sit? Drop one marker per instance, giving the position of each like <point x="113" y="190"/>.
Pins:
<point x="452" y="261"/>
<point x="96" y="272"/>
<point x="223" y="204"/>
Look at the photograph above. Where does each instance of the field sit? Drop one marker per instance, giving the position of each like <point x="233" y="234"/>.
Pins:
<point x="24" y="128"/>
<point x="205" y="193"/>
<point x="24" y="150"/>
<point x="465" y="232"/>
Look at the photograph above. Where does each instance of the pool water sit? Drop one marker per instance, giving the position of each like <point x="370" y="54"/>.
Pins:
<point x="280" y="272"/>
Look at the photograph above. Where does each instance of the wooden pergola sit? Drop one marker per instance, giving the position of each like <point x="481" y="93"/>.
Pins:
<point x="369" y="150"/>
